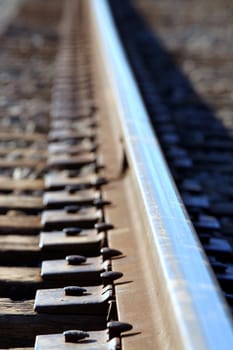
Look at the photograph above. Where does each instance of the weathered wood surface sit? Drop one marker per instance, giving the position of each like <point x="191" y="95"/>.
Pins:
<point x="9" y="184"/>
<point x="27" y="137"/>
<point x="30" y="250"/>
<point x="26" y="250"/>
<point x="19" y="250"/>
<point x="17" y="282"/>
<point x="21" y="163"/>
<point x="13" y="275"/>
<point x="20" y="224"/>
<point x="21" y="202"/>
<point x="18" y="243"/>
<point x="18" y="317"/>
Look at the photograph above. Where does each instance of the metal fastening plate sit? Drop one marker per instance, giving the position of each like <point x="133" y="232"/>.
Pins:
<point x="206" y="223"/>
<point x="67" y="148"/>
<point x="93" y="300"/>
<point x="58" y="219"/>
<point x="226" y="278"/>
<point x="196" y="201"/>
<point x="95" y="341"/>
<point x="218" y="247"/>
<point x="192" y="186"/>
<point x="63" y="124"/>
<point x="87" y="273"/>
<point x="70" y="162"/>
<point x="87" y="242"/>
<point x="63" y="135"/>
<point x="62" y="147"/>
<point x="59" y="199"/>
<point x="58" y="180"/>
<point x="80" y="113"/>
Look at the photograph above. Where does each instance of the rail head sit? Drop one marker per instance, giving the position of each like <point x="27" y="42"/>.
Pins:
<point x="200" y="314"/>
<point x="8" y="10"/>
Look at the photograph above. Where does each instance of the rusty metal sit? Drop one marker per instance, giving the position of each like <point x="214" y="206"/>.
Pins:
<point x="57" y="180"/>
<point x="85" y="242"/>
<point x="75" y="336"/>
<point x="152" y="197"/>
<point x="70" y="162"/>
<point x="94" y="341"/>
<point x="94" y="301"/>
<point x="105" y="340"/>
<point x="74" y="290"/>
<point x="60" y="199"/>
<point x="72" y="216"/>
<point x="88" y="271"/>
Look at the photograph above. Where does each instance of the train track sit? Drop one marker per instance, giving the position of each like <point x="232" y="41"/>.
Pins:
<point x="97" y="250"/>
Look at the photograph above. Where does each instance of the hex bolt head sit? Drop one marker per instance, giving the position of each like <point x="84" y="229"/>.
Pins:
<point x="103" y="226"/>
<point x="115" y="328"/>
<point x="109" y="276"/>
<point x="100" y="182"/>
<point x="74" y="336"/>
<point x="100" y="203"/>
<point x="94" y="147"/>
<point x="109" y="253"/>
<point x="72" y="231"/>
<point x="75" y="259"/>
<point x="72" y="188"/>
<point x="74" y="290"/>
<point x="73" y="173"/>
<point x="72" y="209"/>
<point x="93" y="110"/>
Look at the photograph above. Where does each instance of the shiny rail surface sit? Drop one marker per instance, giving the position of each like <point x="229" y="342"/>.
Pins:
<point x="7" y="11"/>
<point x="196" y="302"/>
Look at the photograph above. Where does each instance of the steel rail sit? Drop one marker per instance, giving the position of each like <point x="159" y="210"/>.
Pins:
<point x="8" y="9"/>
<point x="199" y="312"/>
